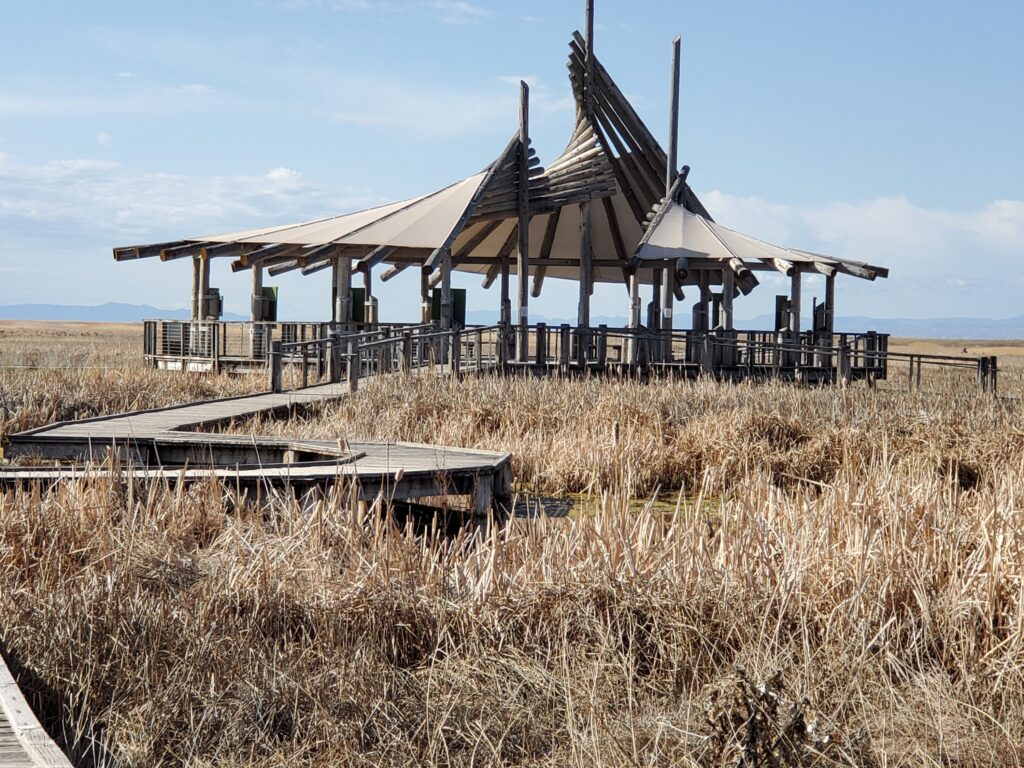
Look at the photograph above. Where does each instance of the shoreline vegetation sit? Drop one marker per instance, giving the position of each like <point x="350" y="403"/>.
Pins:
<point x="764" y="574"/>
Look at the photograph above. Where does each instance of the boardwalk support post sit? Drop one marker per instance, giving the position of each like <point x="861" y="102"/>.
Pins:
<point x="456" y="356"/>
<point x="353" y="363"/>
<point x="407" y="351"/>
<point x="275" y="366"/>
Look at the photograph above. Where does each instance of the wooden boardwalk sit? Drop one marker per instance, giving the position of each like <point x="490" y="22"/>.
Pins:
<point x="23" y="741"/>
<point x="155" y="446"/>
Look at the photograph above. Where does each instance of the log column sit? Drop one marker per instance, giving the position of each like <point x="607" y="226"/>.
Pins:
<point x="426" y="310"/>
<point x="196" y="283"/>
<point x="341" y="273"/>
<point x="204" y="284"/>
<point x="794" y="313"/>
<point x="728" y="293"/>
<point x="371" y="300"/>
<point x="256" y="332"/>
<point x="668" y="279"/>
<point x="523" y="263"/>
<point x="586" y="254"/>
<point x="830" y="306"/>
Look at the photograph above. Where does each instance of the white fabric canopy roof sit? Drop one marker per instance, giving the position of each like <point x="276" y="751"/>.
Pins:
<point x="678" y="233"/>
<point x="421" y="222"/>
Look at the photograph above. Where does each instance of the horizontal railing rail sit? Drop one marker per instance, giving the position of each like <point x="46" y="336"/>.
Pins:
<point x="321" y="352"/>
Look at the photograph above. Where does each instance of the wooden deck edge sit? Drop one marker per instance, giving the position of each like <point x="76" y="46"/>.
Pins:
<point x="33" y="738"/>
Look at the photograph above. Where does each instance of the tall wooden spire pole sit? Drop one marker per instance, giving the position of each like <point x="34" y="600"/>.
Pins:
<point x="523" y="262"/>
<point x="668" y="279"/>
<point x="586" y="255"/>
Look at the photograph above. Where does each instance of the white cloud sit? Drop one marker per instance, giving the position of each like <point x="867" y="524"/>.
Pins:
<point x="437" y="111"/>
<point x="458" y="12"/>
<point x="103" y="139"/>
<point x="197" y="88"/>
<point x="126" y="75"/>
<point x="941" y="262"/>
<point x="65" y="216"/>
<point x="98" y="198"/>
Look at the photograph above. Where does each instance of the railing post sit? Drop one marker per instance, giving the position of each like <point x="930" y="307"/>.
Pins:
<point x="843" y="368"/>
<point x="478" y="349"/>
<point x="275" y="366"/>
<point x="707" y="358"/>
<point x="334" y="352"/>
<point x="565" y="344"/>
<point x="407" y="351"/>
<point x="456" y="357"/>
<point x="540" y="351"/>
<point x="582" y="345"/>
<point x="353" y="363"/>
<point x="305" y="366"/>
<point x="602" y="345"/>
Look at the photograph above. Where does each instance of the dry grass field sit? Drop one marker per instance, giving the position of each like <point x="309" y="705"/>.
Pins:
<point x="810" y="577"/>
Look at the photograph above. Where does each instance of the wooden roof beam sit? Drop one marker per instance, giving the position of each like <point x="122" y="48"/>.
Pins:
<point x="432" y="261"/>
<point x="131" y="252"/>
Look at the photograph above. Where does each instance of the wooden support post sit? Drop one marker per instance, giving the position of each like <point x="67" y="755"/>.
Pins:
<point x="523" y="264"/>
<point x="668" y="280"/>
<point x="255" y="314"/>
<point x="446" y="290"/>
<point x="586" y="266"/>
<point x="370" y="307"/>
<point x="634" y="298"/>
<point x="204" y="285"/>
<point x="654" y="316"/>
<point x="196" y="287"/>
<point x="426" y="311"/>
<point x="456" y="356"/>
<point x="794" y="314"/>
<point x="728" y="293"/>
<point x="704" y="307"/>
<point x="668" y="294"/>
<point x="353" y="363"/>
<point x="341" y="273"/>
<point x="275" y="366"/>
<point x="407" y="351"/>
<point x="478" y="349"/>
<point x="586" y="251"/>
<point x="830" y="306"/>
<point x="564" y="346"/>
<point x="540" y="350"/>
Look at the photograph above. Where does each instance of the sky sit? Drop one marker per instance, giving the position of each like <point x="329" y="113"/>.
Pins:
<point x="888" y="132"/>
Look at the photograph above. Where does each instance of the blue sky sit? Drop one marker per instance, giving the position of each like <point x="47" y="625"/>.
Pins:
<point x="888" y="132"/>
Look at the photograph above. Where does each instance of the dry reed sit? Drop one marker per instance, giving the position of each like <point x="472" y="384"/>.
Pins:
<point x="840" y="582"/>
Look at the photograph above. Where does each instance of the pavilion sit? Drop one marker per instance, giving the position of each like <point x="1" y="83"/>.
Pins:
<point x="613" y="207"/>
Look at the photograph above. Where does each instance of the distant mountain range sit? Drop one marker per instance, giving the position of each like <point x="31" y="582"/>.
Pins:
<point x="934" y="328"/>
<point x="111" y="312"/>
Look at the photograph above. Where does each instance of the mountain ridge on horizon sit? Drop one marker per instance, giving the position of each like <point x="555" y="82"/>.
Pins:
<point x="933" y="328"/>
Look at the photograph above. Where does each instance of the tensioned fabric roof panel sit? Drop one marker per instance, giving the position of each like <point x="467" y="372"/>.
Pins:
<point x="421" y="222"/>
<point x="427" y="224"/>
<point x="316" y="232"/>
<point x="682" y="234"/>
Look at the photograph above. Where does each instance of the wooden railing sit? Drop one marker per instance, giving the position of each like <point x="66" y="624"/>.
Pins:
<point x="355" y="356"/>
<point x="310" y="353"/>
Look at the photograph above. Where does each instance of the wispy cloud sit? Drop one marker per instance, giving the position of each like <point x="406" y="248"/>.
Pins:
<point x="942" y="262"/>
<point x="458" y="12"/>
<point x="103" y="139"/>
<point x="121" y="203"/>
<point x="192" y="88"/>
<point x="64" y="217"/>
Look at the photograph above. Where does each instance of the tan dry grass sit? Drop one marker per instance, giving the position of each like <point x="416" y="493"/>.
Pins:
<point x="843" y="584"/>
<point x="889" y="609"/>
<point x="60" y="371"/>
